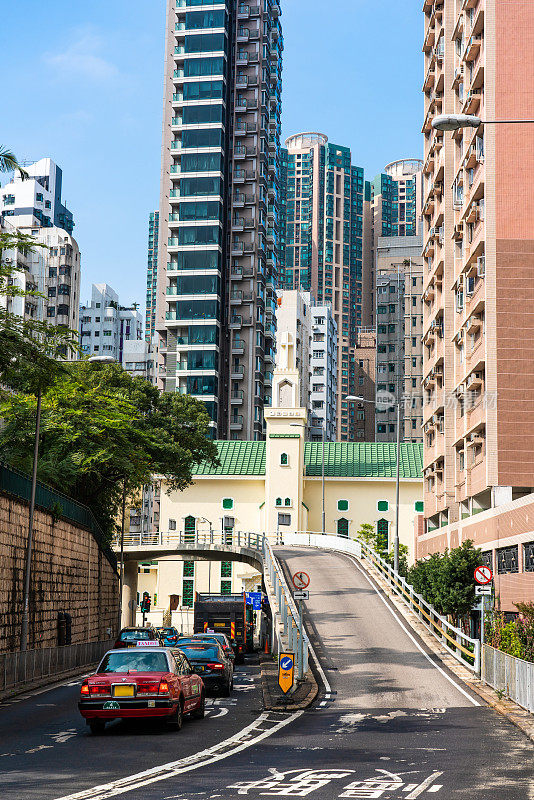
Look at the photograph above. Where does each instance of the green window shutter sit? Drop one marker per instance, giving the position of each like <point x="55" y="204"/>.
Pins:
<point x="284" y="459"/>
<point x="189" y="569"/>
<point x="226" y="569"/>
<point x="226" y="587"/>
<point x="343" y="527"/>
<point x="227" y="503"/>
<point x="342" y="505"/>
<point x="382" y="529"/>
<point x="189" y="529"/>
<point x="188" y="598"/>
<point x="419" y="506"/>
<point x="288" y="501"/>
<point x="383" y="505"/>
<point x="278" y="501"/>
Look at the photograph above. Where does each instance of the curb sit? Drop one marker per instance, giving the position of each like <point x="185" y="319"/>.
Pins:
<point x="51" y="682"/>
<point x="301" y="698"/>
<point x="506" y="708"/>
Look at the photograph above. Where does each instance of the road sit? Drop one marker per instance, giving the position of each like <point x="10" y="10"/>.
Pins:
<point x="394" y="724"/>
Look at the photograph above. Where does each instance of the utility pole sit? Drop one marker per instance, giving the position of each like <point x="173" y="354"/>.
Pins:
<point x="397" y="487"/>
<point x="323" y="426"/>
<point x="27" y="575"/>
<point x="121" y="573"/>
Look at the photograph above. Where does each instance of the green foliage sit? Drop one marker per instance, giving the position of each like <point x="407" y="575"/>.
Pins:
<point x="368" y="534"/>
<point x="515" y="637"/>
<point x="100" y="427"/>
<point x="9" y="162"/>
<point x="29" y="348"/>
<point x="445" y="580"/>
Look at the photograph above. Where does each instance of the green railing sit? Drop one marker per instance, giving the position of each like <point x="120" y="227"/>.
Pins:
<point x="19" y="485"/>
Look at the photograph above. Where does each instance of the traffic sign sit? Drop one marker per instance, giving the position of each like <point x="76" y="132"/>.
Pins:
<point x="483" y="575"/>
<point x="301" y="594"/>
<point x="483" y="590"/>
<point x="286" y="671"/>
<point x="301" y="580"/>
<point x="254" y="599"/>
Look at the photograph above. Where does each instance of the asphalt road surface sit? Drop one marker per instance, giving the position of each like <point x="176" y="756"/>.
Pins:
<point x="392" y="724"/>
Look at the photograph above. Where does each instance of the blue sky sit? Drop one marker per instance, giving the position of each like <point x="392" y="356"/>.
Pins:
<point x="82" y="84"/>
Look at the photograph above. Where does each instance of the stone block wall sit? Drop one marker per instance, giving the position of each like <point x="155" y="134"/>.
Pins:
<point x="70" y="573"/>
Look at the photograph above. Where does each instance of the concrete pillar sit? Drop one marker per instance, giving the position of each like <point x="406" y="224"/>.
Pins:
<point x="129" y="593"/>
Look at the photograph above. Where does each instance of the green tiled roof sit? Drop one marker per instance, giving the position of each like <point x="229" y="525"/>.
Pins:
<point x="363" y="460"/>
<point x="237" y="458"/>
<point x="342" y="459"/>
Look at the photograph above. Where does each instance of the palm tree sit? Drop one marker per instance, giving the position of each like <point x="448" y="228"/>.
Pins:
<point x="9" y="163"/>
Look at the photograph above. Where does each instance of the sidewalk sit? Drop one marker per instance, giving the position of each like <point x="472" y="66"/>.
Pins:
<point x="514" y="713"/>
<point x="273" y="698"/>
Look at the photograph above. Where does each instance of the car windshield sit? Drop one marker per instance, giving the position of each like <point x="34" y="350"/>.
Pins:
<point x="136" y="661"/>
<point x="134" y="636"/>
<point x="219" y="638"/>
<point x="200" y="652"/>
<point x="167" y="631"/>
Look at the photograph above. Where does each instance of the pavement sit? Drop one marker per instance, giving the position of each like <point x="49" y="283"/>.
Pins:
<point x="391" y="721"/>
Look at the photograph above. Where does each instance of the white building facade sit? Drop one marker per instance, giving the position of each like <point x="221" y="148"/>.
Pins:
<point x="105" y="326"/>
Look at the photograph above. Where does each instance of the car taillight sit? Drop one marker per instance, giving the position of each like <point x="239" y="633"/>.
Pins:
<point x="215" y="666"/>
<point x="148" y="688"/>
<point x="163" y="687"/>
<point x="99" y="689"/>
<point x="84" y="689"/>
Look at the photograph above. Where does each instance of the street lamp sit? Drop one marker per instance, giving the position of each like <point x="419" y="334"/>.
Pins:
<point x="451" y="122"/>
<point x="355" y="399"/>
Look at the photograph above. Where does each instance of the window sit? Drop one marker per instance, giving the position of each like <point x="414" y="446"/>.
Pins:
<point x="383" y="505"/>
<point x="226" y="569"/>
<point x="507" y="560"/>
<point x="172" y="524"/>
<point x="382" y="530"/>
<point x="189" y="529"/>
<point x="226" y="587"/>
<point x="287" y="501"/>
<point x="188" y="595"/>
<point x="343" y="527"/>
<point x="278" y="501"/>
<point x="342" y="505"/>
<point x="227" y="503"/>
<point x="284" y="460"/>
<point x="419" y="506"/>
<point x="189" y="569"/>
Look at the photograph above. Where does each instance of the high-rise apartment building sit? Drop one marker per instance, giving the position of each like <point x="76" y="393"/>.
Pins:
<point x="479" y="260"/>
<point x="362" y="383"/>
<point x="324" y="206"/>
<point x="36" y="201"/>
<point x="105" y="326"/>
<point x="313" y="331"/>
<point x="399" y="325"/>
<point x="218" y="217"/>
<point x="34" y="208"/>
<point x="152" y="275"/>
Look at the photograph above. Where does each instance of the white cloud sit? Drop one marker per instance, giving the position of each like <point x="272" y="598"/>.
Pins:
<point x="83" y="58"/>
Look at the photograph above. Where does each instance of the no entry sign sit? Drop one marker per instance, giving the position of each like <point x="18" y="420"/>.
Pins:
<point x="483" y="575"/>
<point x="301" y="580"/>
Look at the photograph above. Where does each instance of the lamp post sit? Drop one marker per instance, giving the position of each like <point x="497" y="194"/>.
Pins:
<point x="29" y="549"/>
<point x="355" y="399"/>
<point x="452" y="122"/>
<point x="203" y="519"/>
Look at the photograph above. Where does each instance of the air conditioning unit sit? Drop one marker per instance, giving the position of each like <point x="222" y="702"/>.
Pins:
<point x="481" y="266"/>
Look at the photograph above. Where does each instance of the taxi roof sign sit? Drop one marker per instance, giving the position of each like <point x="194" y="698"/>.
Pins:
<point x="286" y="671"/>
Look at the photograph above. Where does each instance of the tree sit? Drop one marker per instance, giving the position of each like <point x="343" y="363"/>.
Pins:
<point x="103" y="430"/>
<point x="9" y="163"/>
<point x="29" y="348"/>
<point x="446" y="579"/>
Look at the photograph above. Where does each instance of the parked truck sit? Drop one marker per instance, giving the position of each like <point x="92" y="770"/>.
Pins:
<point x="229" y="614"/>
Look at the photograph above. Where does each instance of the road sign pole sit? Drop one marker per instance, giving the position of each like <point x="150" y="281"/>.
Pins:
<point x="482" y="615"/>
<point x="300" y="673"/>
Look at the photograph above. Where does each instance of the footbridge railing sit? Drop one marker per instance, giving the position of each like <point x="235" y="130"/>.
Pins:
<point x="461" y="646"/>
<point x="175" y="539"/>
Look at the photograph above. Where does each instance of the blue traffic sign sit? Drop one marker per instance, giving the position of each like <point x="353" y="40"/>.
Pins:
<point x="286" y="662"/>
<point x="254" y="599"/>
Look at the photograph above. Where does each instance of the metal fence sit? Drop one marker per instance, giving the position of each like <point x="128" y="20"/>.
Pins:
<point x="175" y="539"/>
<point x="512" y="676"/>
<point x="20" y="668"/>
<point x="462" y="647"/>
<point x="293" y="627"/>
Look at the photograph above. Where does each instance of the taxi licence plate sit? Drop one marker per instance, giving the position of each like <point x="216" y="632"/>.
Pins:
<point x="124" y="691"/>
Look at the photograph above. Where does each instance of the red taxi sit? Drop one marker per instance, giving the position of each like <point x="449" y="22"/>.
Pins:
<point x="148" y="681"/>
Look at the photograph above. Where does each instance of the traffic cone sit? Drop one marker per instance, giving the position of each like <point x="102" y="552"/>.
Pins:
<point x="266" y="648"/>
